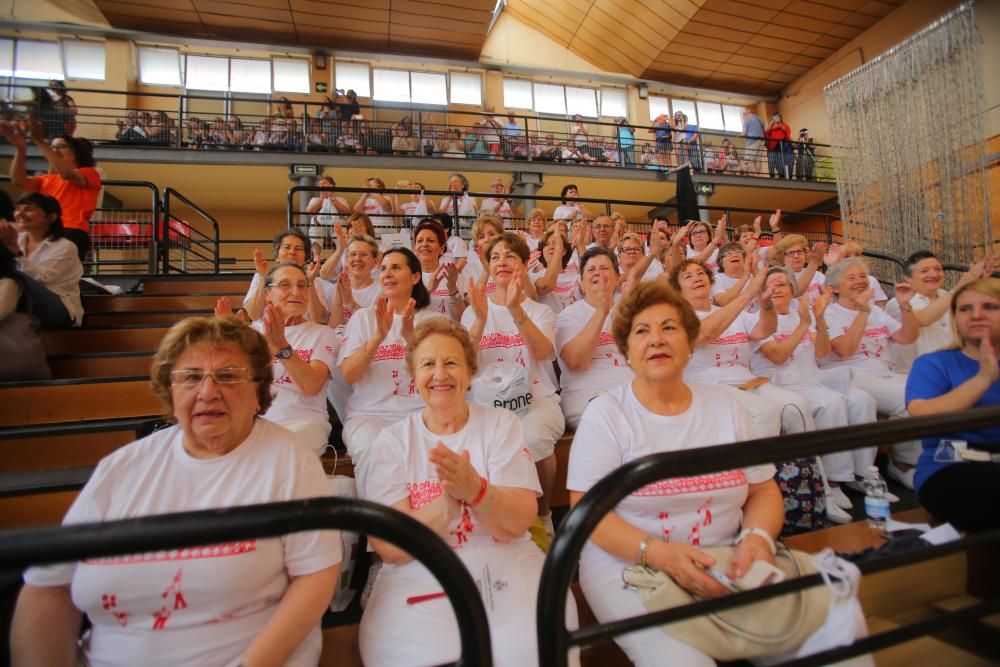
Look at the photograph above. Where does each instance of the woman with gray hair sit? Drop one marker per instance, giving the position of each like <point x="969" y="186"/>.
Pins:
<point x="788" y="358"/>
<point x="859" y="340"/>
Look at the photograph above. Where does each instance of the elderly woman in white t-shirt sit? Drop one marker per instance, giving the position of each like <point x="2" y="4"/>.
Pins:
<point x="664" y="524"/>
<point x="793" y="252"/>
<point x="441" y="278"/>
<point x="458" y="184"/>
<point x="292" y="246"/>
<point x="516" y="333"/>
<point x="704" y="243"/>
<point x="251" y="602"/>
<point x="557" y="280"/>
<point x="589" y="361"/>
<point x="461" y="470"/>
<point x="499" y="205"/>
<point x="305" y="355"/>
<point x="859" y="336"/>
<point x="484" y="229"/>
<point x="376" y="205"/>
<point x="373" y="357"/>
<point x="722" y="351"/>
<point x="788" y="357"/>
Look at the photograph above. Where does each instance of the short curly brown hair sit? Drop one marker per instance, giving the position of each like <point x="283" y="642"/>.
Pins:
<point x="217" y="331"/>
<point x="514" y="242"/>
<point x="675" y="274"/>
<point x="444" y="327"/>
<point x="645" y="295"/>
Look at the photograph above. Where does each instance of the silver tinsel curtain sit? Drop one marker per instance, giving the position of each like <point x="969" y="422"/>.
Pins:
<point x="909" y="135"/>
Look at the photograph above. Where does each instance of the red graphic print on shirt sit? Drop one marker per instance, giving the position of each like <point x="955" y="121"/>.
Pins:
<point x="699" y="484"/>
<point x="464" y="527"/>
<point x="161" y="617"/>
<point x="423" y="493"/>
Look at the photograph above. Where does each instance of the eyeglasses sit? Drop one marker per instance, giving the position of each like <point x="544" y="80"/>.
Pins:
<point x="631" y="251"/>
<point x="794" y="253"/>
<point x="287" y="285"/>
<point x="699" y="232"/>
<point x="192" y="377"/>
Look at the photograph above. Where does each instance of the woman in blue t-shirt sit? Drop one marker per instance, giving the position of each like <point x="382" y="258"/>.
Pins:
<point x="965" y="376"/>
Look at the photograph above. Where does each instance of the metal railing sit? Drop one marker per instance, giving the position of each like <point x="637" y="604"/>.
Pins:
<point x="207" y="122"/>
<point x="555" y="640"/>
<point x="39" y="546"/>
<point x="125" y="239"/>
<point x="186" y="248"/>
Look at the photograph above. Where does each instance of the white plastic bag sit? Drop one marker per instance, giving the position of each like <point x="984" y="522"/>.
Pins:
<point x="503" y="386"/>
<point x="342" y="486"/>
<point x="466" y="206"/>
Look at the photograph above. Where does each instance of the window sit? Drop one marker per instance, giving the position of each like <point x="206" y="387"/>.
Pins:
<point x="687" y="108"/>
<point x="517" y="94"/>
<point x="37" y="60"/>
<point x="159" y="67"/>
<point x="581" y="101"/>
<point x="206" y="73"/>
<point x="291" y="75"/>
<point x="249" y="76"/>
<point x="658" y="106"/>
<point x="614" y="103"/>
<point x="391" y="85"/>
<point x="6" y="57"/>
<point x="467" y="88"/>
<point x="710" y="116"/>
<point x="84" y="60"/>
<point x="549" y="99"/>
<point x="353" y="76"/>
<point x="733" y="117"/>
<point x="428" y="88"/>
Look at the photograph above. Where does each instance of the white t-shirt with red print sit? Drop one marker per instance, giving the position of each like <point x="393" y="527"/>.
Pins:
<point x="395" y="632"/>
<point x="815" y="286"/>
<point x="364" y="297"/>
<point x="800" y="367"/>
<point x="474" y="270"/>
<point x="198" y="605"/>
<point x="502" y="342"/>
<point x="310" y="342"/>
<point x="713" y="260"/>
<point x="377" y="212"/>
<point x="442" y="303"/>
<point x="873" y="354"/>
<point x="566" y="291"/>
<point x="386" y="390"/>
<point x="607" y="369"/>
<point x="705" y="510"/>
<point x="726" y="359"/>
<point x="724" y="283"/>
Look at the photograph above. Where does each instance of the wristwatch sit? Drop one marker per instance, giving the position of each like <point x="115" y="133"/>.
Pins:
<point x="759" y="532"/>
<point x="285" y="352"/>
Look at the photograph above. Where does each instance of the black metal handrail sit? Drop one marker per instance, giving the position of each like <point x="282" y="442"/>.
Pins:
<point x="154" y="211"/>
<point x="557" y="573"/>
<point x="39" y="546"/>
<point x="168" y="195"/>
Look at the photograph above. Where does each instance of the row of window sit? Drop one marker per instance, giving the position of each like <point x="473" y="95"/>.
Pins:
<point x="76" y="59"/>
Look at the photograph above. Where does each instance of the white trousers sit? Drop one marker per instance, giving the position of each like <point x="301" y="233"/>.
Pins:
<point x="337" y="392"/>
<point x="774" y="410"/>
<point x="543" y="425"/>
<point x="889" y="392"/>
<point x="359" y="434"/>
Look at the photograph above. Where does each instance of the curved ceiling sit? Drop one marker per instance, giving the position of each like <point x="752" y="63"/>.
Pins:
<point x="746" y="46"/>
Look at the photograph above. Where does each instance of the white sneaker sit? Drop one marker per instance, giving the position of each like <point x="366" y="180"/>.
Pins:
<point x="839" y="498"/>
<point x="836" y="514"/>
<point x="904" y="478"/>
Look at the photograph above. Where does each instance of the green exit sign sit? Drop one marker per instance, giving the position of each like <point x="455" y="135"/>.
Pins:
<point x="706" y="188"/>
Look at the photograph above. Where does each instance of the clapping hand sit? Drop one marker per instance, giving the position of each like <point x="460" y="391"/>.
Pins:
<point x="477" y="300"/>
<point x="775" y="221"/>
<point x="904" y="292"/>
<point x="274" y="327"/>
<point x="515" y="290"/>
<point x="720" y="230"/>
<point x="817" y="253"/>
<point x="383" y="317"/>
<point x="260" y="264"/>
<point x="803" y="309"/>
<point x="458" y="478"/>
<point x="988" y="368"/>
<point x="10" y="133"/>
<point x="8" y="235"/>
<point x="821" y="302"/>
<point x="35" y="129"/>
<point x="223" y="307"/>
<point x="338" y="230"/>
<point x="832" y="255"/>
<point x="408" y="315"/>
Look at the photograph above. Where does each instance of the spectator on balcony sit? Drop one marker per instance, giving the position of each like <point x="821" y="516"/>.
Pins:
<point x="452" y="144"/>
<point x="326" y="208"/>
<point x="475" y="142"/>
<point x="580" y="135"/>
<point x="236" y="134"/>
<point x="458" y="184"/>
<point x="663" y="134"/>
<point x="350" y="109"/>
<point x="688" y="141"/>
<point x="63" y="109"/>
<point x="512" y="134"/>
<point x="753" y="130"/>
<point x="650" y="159"/>
<point x="72" y="179"/>
<point x="545" y="148"/>
<point x="403" y="142"/>
<point x="805" y="161"/>
<point x="48" y="268"/>
<point x="316" y="139"/>
<point x="161" y="129"/>
<point x="282" y="109"/>
<point x="724" y="158"/>
<point x="491" y="129"/>
<point x="625" y="135"/>
<point x="130" y="128"/>
<point x="195" y="132"/>
<point x="779" y="143"/>
<point x="262" y="135"/>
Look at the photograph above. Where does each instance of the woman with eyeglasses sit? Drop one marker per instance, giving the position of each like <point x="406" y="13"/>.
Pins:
<point x="250" y="602"/>
<point x="305" y="355"/>
<point x="793" y="252"/>
<point x="703" y="245"/>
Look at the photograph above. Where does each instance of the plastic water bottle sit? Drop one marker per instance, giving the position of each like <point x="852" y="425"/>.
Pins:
<point x="876" y="504"/>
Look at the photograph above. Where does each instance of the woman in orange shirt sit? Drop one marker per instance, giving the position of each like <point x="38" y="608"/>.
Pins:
<point x="72" y="179"/>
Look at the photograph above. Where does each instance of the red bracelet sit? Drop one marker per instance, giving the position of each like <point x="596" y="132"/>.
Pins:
<point x="483" y="484"/>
